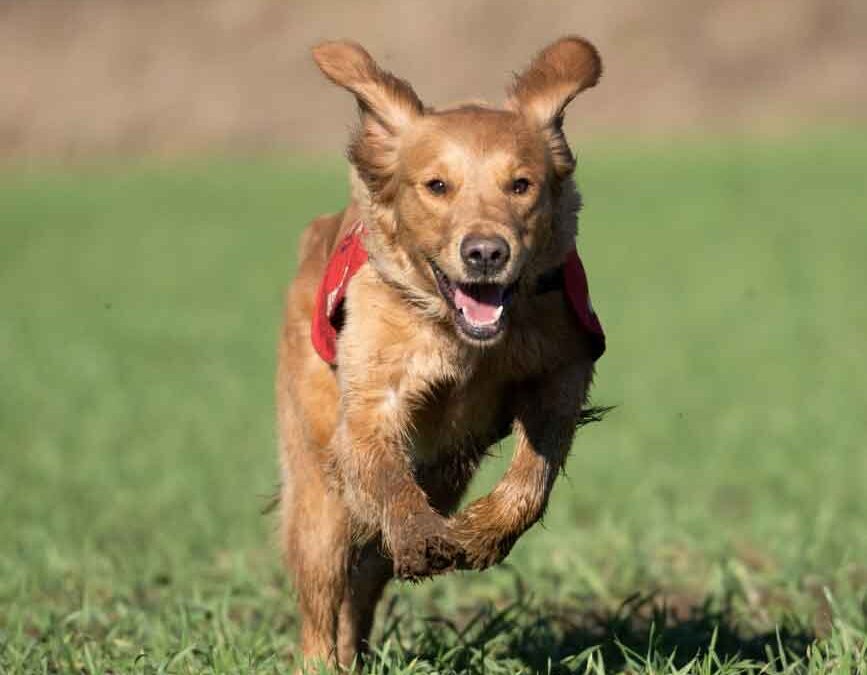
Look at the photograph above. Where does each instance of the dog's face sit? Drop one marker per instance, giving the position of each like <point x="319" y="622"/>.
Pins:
<point x="467" y="198"/>
<point x="473" y="198"/>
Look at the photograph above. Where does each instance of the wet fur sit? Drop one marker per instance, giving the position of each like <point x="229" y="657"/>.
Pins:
<point x="377" y="452"/>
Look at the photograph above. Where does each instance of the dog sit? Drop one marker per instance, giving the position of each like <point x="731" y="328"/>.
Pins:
<point x="443" y="309"/>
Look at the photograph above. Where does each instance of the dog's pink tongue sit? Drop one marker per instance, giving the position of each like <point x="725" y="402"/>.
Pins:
<point x="480" y="304"/>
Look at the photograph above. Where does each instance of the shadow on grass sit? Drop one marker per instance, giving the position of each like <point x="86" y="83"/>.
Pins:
<point x="560" y="638"/>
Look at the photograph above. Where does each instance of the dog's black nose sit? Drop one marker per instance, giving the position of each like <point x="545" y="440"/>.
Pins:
<point x="485" y="255"/>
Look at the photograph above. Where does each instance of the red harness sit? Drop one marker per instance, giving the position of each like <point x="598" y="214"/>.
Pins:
<point x="350" y="255"/>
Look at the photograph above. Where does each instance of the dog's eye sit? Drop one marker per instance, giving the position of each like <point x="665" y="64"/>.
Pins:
<point x="437" y="186"/>
<point x="520" y="186"/>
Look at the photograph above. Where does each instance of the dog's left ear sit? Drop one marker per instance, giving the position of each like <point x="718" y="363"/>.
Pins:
<point x="541" y="93"/>
<point x="387" y="105"/>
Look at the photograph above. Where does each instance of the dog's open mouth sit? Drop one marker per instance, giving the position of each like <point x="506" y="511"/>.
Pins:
<point x="479" y="309"/>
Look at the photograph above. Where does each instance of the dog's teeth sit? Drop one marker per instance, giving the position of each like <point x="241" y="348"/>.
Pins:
<point x="497" y="314"/>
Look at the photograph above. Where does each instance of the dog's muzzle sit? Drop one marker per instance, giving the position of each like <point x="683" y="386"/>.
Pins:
<point x="479" y="309"/>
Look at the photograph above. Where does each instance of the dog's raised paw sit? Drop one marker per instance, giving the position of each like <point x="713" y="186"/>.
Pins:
<point x="424" y="548"/>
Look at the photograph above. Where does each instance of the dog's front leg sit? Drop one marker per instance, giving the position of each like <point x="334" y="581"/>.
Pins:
<point x="547" y="415"/>
<point x="380" y="489"/>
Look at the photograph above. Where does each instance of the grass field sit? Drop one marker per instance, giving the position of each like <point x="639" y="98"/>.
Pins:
<point x="715" y="522"/>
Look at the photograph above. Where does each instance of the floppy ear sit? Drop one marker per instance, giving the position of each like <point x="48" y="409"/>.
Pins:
<point x="541" y="93"/>
<point x="387" y="106"/>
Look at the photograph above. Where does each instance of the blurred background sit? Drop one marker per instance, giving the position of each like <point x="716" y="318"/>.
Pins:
<point x="158" y="160"/>
<point x="125" y="77"/>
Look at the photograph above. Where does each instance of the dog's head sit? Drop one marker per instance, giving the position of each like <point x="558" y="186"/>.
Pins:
<point x="468" y="205"/>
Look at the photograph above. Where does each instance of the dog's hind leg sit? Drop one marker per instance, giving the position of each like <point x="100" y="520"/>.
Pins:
<point x="315" y="534"/>
<point x="367" y="579"/>
<point x="317" y="542"/>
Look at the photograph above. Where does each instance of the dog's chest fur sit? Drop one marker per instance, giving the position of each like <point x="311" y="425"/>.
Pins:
<point x="447" y="399"/>
<point x="460" y="419"/>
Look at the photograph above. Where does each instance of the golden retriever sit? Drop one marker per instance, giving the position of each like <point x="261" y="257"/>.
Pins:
<point x="445" y="308"/>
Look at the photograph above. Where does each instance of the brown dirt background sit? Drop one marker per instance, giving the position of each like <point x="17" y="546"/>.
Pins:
<point x="85" y="78"/>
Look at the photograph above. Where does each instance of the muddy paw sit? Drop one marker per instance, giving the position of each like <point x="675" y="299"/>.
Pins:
<point x="424" y="547"/>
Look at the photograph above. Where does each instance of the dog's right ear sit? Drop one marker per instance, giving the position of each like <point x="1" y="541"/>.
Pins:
<point x="556" y="76"/>
<point x="387" y="106"/>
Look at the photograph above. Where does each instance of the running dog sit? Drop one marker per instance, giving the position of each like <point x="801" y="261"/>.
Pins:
<point x="445" y="308"/>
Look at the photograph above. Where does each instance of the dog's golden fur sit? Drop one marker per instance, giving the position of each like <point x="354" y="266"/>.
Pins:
<point x="377" y="452"/>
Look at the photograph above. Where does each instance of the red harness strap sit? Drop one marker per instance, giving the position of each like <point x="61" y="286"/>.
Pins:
<point x="578" y="291"/>
<point x="346" y="260"/>
<point x="350" y="255"/>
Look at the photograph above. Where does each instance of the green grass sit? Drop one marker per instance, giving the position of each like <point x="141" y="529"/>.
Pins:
<point x="715" y="522"/>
